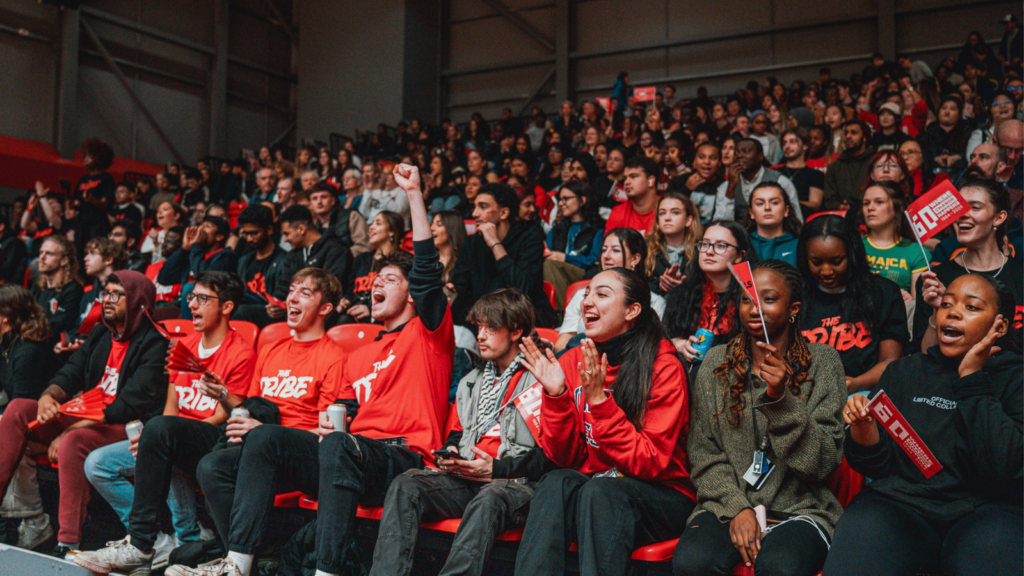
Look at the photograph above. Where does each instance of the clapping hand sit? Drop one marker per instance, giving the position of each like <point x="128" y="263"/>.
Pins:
<point x="593" y="371"/>
<point x="544" y="367"/>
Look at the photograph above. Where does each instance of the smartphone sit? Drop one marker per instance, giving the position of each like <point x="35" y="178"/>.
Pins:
<point x="448" y="454"/>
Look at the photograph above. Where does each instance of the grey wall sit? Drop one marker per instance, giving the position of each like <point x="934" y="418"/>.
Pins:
<point x="720" y="45"/>
<point x="171" y="80"/>
<point x="364" y="62"/>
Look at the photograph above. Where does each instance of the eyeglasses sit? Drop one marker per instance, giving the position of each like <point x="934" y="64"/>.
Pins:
<point x="114" y="297"/>
<point x="203" y="298"/>
<point x="891" y="166"/>
<point x="1013" y="151"/>
<point x="1002" y="103"/>
<point x="718" y="247"/>
<point x="566" y="199"/>
<point x="1015" y="88"/>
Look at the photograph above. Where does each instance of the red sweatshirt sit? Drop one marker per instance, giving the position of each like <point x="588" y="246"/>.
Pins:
<point x="302" y="378"/>
<point x="595" y="438"/>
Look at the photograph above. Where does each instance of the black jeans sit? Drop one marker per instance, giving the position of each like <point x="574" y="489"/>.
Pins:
<point x="795" y="548"/>
<point x="240" y="482"/>
<point x="486" y="509"/>
<point x="880" y="537"/>
<point x="166" y="442"/>
<point x="610" y="517"/>
<point x="353" y="470"/>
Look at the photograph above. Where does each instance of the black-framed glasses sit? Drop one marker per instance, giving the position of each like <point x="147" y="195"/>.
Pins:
<point x="566" y="199"/>
<point x="718" y="247"/>
<point x="111" y="295"/>
<point x="203" y="298"/>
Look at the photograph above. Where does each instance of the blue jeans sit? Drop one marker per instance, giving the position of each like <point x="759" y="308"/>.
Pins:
<point x="108" y="469"/>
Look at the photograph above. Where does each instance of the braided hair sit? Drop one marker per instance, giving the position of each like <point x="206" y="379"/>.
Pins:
<point x="798" y="356"/>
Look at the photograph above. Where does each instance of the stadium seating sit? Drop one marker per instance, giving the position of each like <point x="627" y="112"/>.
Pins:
<point x="272" y="333"/>
<point x="574" y="288"/>
<point x="354" y="336"/>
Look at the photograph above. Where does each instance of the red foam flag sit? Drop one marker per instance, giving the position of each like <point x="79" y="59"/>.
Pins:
<point x="529" y="403"/>
<point x="897" y="426"/>
<point x="270" y="299"/>
<point x="605" y="103"/>
<point x="935" y="210"/>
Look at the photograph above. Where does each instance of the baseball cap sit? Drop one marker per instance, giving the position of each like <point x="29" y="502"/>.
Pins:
<point x="1008" y="18"/>
<point x="891" y="107"/>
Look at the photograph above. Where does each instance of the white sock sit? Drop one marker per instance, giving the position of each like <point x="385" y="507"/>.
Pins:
<point x="73" y="546"/>
<point x="243" y="561"/>
<point x="322" y="573"/>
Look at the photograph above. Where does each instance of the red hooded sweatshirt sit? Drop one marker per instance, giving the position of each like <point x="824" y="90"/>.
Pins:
<point x="593" y="439"/>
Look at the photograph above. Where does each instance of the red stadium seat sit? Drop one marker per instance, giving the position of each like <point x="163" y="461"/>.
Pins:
<point x="549" y="289"/>
<point x="246" y="330"/>
<point x="549" y="334"/>
<point x="179" y="327"/>
<point x="354" y="336"/>
<point x="272" y="333"/>
<point x="659" y="552"/>
<point x="574" y="288"/>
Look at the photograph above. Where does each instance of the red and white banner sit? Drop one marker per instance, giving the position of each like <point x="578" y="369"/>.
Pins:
<point x="606" y="103"/>
<point x="644" y="94"/>
<point x="935" y="210"/>
<point x="745" y="277"/>
<point x="898" y="427"/>
<point x="528" y="403"/>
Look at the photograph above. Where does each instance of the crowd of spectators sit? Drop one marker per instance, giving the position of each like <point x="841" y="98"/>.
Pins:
<point x="459" y="242"/>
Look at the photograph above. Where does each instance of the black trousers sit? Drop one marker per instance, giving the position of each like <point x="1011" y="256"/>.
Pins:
<point x="792" y="549"/>
<point x="486" y="509"/>
<point x="166" y="442"/>
<point x="609" y="517"/>
<point x="353" y="470"/>
<point x="880" y="537"/>
<point x="240" y="482"/>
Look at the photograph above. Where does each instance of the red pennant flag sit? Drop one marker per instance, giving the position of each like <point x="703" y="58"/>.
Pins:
<point x="935" y="210"/>
<point x="644" y="94"/>
<point x="95" y="312"/>
<point x="745" y="277"/>
<point x="897" y="426"/>
<point x="605" y="103"/>
<point x="528" y="403"/>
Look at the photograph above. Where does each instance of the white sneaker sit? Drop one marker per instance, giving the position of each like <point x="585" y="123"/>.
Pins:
<point x="120" y="556"/>
<point x="222" y="567"/>
<point x="162" y="548"/>
<point x="32" y="534"/>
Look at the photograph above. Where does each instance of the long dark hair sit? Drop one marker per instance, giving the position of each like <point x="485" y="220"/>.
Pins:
<point x="798" y="356"/>
<point x="25" y="316"/>
<point x="682" y="311"/>
<point x="859" y="300"/>
<point x="631" y="243"/>
<point x="636" y="374"/>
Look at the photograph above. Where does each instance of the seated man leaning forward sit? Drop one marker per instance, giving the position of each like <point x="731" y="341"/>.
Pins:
<point x="223" y="351"/>
<point x="491" y="441"/>
<point x="398" y="384"/>
<point x="294" y="380"/>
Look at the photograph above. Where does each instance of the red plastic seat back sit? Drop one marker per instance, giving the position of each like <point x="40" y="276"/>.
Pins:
<point x="272" y="333"/>
<point x="549" y="289"/>
<point x="351" y="337"/>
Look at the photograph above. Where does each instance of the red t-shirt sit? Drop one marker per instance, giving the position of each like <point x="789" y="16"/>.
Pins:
<point x="624" y="216"/>
<point x="490" y="442"/>
<point x="302" y="378"/>
<point x="401" y="382"/>
<point x="112" y="371"/>
<point x="234" y="361"/>
<point x="163" y="293"/>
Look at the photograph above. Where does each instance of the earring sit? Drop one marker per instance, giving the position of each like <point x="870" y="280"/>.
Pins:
<point x="792" y="319"/>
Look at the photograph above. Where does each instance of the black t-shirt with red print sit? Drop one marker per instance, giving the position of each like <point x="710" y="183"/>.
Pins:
<point x="822" y="321"/>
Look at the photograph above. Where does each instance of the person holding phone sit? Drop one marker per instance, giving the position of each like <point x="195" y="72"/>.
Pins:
<point x="767" y="433"/>
<point x="672" y="243"/>
<point x="490" y="441"/>
<point x="963" y="397"/>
